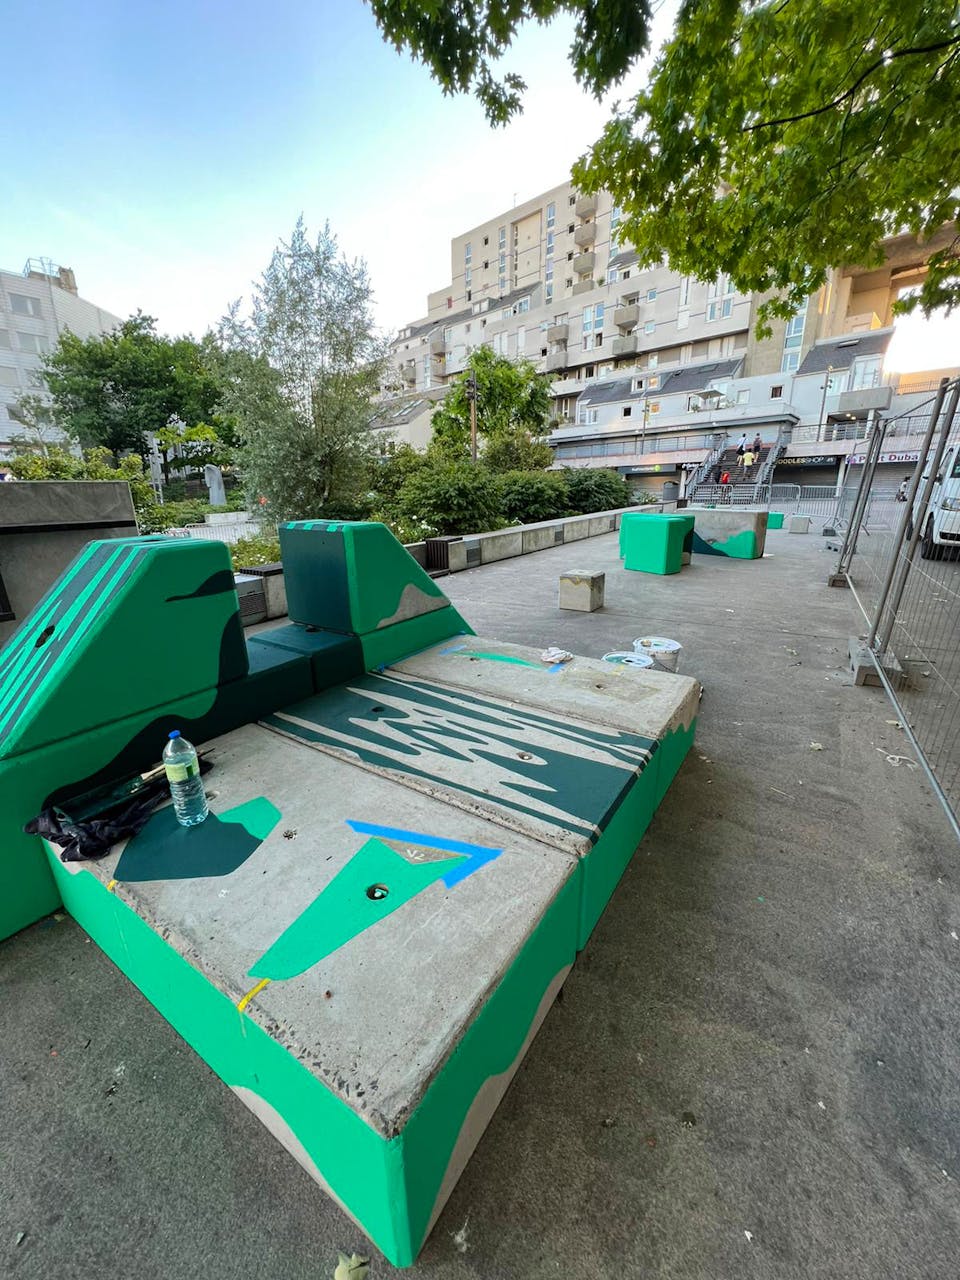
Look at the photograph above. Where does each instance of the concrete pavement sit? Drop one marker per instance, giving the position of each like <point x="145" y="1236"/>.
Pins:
<point x="753" y="1070"/>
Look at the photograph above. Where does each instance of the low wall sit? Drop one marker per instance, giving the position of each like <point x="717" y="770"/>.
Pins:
<point x="475" y="549"/>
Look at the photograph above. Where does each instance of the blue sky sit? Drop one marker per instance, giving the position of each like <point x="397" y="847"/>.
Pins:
<point x="162" y="147"/>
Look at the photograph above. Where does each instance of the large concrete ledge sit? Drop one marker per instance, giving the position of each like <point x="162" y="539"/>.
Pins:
<point x="738" y="532"/>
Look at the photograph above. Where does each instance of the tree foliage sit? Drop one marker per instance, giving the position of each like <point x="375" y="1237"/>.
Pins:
<point x="112" y="388"/>
<point x="528" y="496"/>
<point x="300" y="374"/>
<point x="513" y="402"/>
<point x="595" y="489"/>
<point x="773" y="141"/>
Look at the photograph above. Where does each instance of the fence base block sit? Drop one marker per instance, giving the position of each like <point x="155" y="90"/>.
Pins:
<point x="864" y="668"/>
<point x="837" y="580"/>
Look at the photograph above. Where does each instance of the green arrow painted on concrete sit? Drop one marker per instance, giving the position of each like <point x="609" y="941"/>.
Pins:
<point x="351" y="903"/>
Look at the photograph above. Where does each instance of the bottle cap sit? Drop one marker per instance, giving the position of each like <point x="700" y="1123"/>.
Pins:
<point x="174" y="733"/>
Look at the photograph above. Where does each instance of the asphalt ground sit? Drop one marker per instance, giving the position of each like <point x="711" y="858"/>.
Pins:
<point x="753" y="1071"/>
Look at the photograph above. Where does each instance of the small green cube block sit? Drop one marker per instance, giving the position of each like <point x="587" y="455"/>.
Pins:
<point x="774" y="519"/>
<point x="656" y="543"/>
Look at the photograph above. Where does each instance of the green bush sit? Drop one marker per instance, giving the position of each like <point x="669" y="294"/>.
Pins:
<point x="253" y="551"/>
<point x="528" y="496"/>
<point x="452" y="498"/>
<point x="596" y="490"/>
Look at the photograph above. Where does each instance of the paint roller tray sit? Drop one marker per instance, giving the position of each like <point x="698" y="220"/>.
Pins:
<point x="372" y="921"/>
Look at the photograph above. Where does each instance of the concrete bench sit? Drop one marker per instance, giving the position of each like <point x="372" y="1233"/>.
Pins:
<point x="581" y="590"/>
<point x="736" y="532"/>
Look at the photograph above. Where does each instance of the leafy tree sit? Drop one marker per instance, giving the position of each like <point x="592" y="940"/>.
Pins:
<point x="775" y="139"/>
<point x="528" y="496"/>
<point x="196" y="446"/>
<point x="453" y="497"/>
<point x="111" y="389"/>
<point x="299" y="376"/>
<point x="41" y="429"/>
<point x="513" y="402"/>
<point x="594" y="489"/>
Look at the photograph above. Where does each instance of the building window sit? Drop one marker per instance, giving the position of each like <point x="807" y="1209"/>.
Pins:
<point x="500" y="343"/>
<point x="651" y="295"/>
<point x="684" y="291"/>
<point x="572" y="200"/>
<point x="551" y="215"/>
<point x="650" y="326"/>
<point x="548" y="291"/>
<point x="720" y="299"/>
<point x="21" y="305"/>
<point x="447" y="337"/>
<point x="626" y="411"/>
<point x="653" y="382"/>
<point x="612" y="275"/>
<point x="4" y="340"/>
<point x="31" y="343"/>
<point x="743" y="396"/>
<point x="686" y="353"/>
<point x="792" y="341"/>
<point x="614" y="231"/>
<point x="653" y="406"/>
<point x="653" y="359"/>
<point x="427" y="379"/>
<point x="468" y="278"/>
<point x="568" y="283"/>
<point x="506" y="313"/>
<point x="523" y="305"/>
<point x="521" y="339"/>
<point x="469" y="295"/>
<point x="866" y="373"/>
<point x="586" y="417"/>
<point x="776" y="393"/>
<point x="549" y="243"/>
<point x="694" y="404"/>
<point x="502" y="237"/>
<point x="9" y="377"/>
<point x="467" y="254"/>
<point x="486" y="241"/>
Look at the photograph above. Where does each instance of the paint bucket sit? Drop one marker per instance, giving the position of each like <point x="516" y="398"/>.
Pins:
<point x="629" y="658"/>
<point x="665" y="653"/>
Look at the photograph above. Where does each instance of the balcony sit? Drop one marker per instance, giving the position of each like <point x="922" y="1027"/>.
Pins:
<point x="584" y="286"/>
<point x="409" y="373"/>
<point x="558" y="360"/>
<point x="625" y="346"/>
<point x="586" y="207"/>
<point x="584" y="263"/>
<point x="585" y="234"/>
<point x="437" y="346"/>
<point x="558" y="333"/>
<point x="626" y="317"/>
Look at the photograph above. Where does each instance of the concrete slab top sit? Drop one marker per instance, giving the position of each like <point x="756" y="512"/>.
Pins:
<point x="370" y="993"/>
<point x="651" y="703"/>
<point x="546" y="773"/>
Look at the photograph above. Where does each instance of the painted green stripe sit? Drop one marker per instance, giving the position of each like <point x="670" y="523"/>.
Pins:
<point x="83" y="614"/>
<point x="46" y="657"/>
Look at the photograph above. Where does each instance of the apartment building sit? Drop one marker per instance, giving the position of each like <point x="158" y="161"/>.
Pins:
<point x="650" y="369"/>
<point x="36" y="305"/>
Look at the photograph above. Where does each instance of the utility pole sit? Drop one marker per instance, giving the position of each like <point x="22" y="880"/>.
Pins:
<point x="823" y="401"/>
<point x="472" y="398"/>
<point x="643" y="429"/>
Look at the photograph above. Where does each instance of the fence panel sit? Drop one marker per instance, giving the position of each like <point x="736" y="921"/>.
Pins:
<point x="910" y="595"/>
<point x="229" y="532"/>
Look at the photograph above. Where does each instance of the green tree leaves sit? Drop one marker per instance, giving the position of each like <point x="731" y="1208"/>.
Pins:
<point x="774" y="141"/>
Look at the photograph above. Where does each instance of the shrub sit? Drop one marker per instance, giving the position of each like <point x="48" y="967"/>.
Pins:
<point x="596" y="490"/>
<point x="528" y="496"/>
<point x="253" y="551"/>
<point x="452" y="498"/>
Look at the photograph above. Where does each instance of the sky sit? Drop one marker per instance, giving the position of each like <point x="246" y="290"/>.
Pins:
<point x="162" y="150"/>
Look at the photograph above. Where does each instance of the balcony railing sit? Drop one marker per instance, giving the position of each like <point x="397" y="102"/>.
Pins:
<point x="586" y="206"/>
<point x="584" y="263"/>
<point x="626" y="317"/>
<point x="585" y="234"/>
<point x="558" y="333"/>
<point x="625" y="346"/>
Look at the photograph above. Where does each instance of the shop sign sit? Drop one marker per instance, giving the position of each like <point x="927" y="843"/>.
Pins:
<point x="821" y="460"/>
<point x="910" y="455"/>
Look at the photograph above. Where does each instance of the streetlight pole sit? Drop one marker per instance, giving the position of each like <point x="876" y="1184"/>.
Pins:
<point x="823" y="402"/>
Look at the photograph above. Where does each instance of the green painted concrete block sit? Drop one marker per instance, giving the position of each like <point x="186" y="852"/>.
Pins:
<point x="774" y="519"/>
<point x="656" y="543"/>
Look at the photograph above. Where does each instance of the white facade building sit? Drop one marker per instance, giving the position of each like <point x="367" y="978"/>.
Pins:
<point x="36" y="306"/>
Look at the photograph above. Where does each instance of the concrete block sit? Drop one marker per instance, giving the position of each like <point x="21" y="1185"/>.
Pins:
<point x="599" y="525"/>
<point x="539" y="538"/>
<point x="774" y="519"/>
<point x="457" y="556"/>
<point x="581" y="590"/>
<point x="500" y="546"/>
<point x="274" y="587"/>
<point x="737" y="532"/>
<point x="656" y="543"/>
<point x="329" y="969"/>
<point x="798" y="524"/>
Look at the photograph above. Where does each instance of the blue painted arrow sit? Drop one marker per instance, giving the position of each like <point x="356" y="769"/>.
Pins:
<point x="477" y="855"/>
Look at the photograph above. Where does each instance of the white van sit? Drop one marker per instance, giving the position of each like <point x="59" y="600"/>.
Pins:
<point x="942" y="526"/>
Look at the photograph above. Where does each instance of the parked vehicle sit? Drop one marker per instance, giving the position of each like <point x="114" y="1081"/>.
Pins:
<point x="942" y="525"/>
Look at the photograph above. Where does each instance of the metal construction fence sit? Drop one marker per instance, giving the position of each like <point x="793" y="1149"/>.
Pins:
<point x="902" y="560"/>
<point x="226" y="531"/>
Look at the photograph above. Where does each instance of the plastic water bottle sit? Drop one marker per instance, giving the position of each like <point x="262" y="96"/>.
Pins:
<point x="186" y="785"/>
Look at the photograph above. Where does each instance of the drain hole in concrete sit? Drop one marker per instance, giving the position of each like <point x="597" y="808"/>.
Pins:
<point x="43" y="637"/>
<point x="376" y="710"/>
<point x="524" y="755"/>
<point x="377" y="891"/>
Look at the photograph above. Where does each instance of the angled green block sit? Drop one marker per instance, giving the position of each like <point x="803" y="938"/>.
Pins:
<point x="354" y="577"/>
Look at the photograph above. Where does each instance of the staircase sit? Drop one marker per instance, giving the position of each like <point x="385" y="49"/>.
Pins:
<point x="749" y="482"/>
